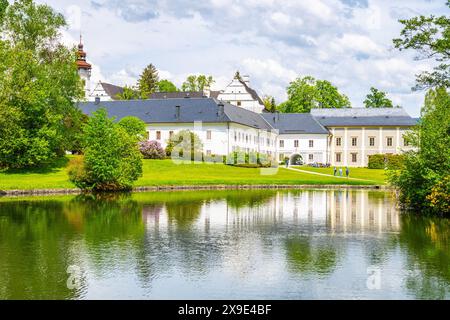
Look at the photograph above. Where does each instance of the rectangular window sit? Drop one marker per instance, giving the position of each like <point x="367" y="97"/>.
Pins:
<point x="170" y="134"/>
<point x="354" y="141"/>
<point x="147" y="135"/>
<point x="372" y="141"/>
<point x="311" y="143"/>
<point x="338" y="157"/>
<point x="405" y="142"/>
<point x="208" y="135"/>
<point x="158" y="135"/>
<point x="239" y="103"/>
<point x="268" y="142"/>
<point x="281" y="143"/>
<point x="338" y="142"/>
<point x="389" y="141"/>
<point x="354" y="157"/>
<point x="295" y="143"/>
<point x="311" y="157"/>
<point x="208" y="153"/>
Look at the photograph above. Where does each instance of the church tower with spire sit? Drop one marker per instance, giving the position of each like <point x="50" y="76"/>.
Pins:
<point x="84" y="68"/>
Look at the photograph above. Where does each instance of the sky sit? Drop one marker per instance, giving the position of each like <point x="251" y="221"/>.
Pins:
<point x="348" y="42"/>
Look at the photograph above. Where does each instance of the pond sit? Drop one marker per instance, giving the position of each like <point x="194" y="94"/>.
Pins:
<point x="305" y="244"/>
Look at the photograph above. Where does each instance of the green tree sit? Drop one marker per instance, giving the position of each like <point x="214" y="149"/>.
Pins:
<point x="166" y="86"/>
<point x="377" y="99"/>
<point x="183" y="143"/>
<point x="424" y="182"/>
<point x="134" y="127"/>
<point x="307" y="93"/>
<point x="3" y="5"/>
<point x="269" y="104"/>
<point x="148" y="81"/>
<point x="128" y="94"/>
<point x="430" y="36"/>
<point x="39" y="86"/>
<point x="112" y="160"/>
<point x="197" y="83"/>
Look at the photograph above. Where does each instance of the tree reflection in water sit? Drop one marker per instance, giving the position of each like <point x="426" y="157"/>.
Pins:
<point x="307" y="256"/>
<point x="427" y="242"/>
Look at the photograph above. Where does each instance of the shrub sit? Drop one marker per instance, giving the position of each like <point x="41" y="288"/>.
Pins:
<point x="440" y="196"/>
<point x="248" y="160"/>
<point x="377" y="161"/>
<point x="133" y="126"/>
<point x="111" y="162"/>
<point x="386" y="161"/>
<point x="151" y="150"/>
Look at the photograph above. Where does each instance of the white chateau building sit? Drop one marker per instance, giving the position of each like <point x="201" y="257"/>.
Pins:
<point x="235" y="120"/>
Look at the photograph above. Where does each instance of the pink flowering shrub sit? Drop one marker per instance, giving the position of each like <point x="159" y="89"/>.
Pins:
<point x="152" y="150"/>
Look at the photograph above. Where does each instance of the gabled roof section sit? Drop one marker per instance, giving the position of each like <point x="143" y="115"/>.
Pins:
<point x="363" y="117"/>
<point x="112" y="90"/>
<point x="251" y="91"/>
<point x="177" y="95"/>
<point x="207" y="110"/>
<point x="294" y="123"/>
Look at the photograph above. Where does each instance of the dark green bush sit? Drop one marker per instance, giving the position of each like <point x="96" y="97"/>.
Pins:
<point x="386" y="161"/>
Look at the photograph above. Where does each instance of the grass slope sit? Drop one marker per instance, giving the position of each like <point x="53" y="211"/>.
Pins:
<point x="168" y="173"/>
<point x="376" y="175"/>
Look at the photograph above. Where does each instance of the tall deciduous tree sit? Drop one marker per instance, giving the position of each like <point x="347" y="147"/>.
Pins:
<point x="197" y="83"/>
<point x="430" y="36"/>
<point x="424" y="182"/>
<point x="377" y="99"/>
<point x="148" y="81"/>
<point x="307" y="93"/>
<point x="38" y="88"/>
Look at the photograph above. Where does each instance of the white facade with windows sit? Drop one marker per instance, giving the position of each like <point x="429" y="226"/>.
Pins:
<point x="313" y="148"/>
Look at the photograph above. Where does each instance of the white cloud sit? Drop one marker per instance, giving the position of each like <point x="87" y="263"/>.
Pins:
<point x="348" y="42"/>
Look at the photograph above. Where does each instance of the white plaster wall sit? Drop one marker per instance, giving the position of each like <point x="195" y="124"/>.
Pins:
<point x="319" y="150"/>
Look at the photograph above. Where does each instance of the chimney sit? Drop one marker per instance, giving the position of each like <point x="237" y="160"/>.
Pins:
<point x="207" y="92"/>
<point x="97" y="100"/>
<point x="246" y="79"/>
<point x="221" y="109"/>
<point x="177" y="112"/>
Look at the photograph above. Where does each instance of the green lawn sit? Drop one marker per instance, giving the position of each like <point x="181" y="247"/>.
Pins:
<point x="377" y="175"/>
<point x="167" y="173"/>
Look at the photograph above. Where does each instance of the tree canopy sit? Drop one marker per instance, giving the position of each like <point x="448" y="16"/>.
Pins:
<point x="148" y="81"/>
<point x="197" y="83"/>
<point x="167" y="86"/>
<point x="112" y="160"/>
<point x="128" y="93"/>
<point x="307" y="93"/>
<point x="269" y="104"/>
<point x="38" y="88"/>
<point x="377" y="99"/>
<point x="430" y="37"/>
<point x="424" y="182"/>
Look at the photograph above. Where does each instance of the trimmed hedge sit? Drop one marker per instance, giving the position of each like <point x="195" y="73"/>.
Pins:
<point x="386" y="161"/>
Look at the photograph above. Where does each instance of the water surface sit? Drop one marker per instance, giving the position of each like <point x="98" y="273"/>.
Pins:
<point x="308" y="244"/>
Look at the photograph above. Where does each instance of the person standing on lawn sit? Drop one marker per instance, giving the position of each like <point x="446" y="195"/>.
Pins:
<point x="335" y="171"/>
<point x="340" y="172"/>
<point x="347" y="172"/>
<point x="287" y="162"/>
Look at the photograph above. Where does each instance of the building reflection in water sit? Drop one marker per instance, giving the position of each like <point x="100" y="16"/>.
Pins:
<point x="338" y="211"/>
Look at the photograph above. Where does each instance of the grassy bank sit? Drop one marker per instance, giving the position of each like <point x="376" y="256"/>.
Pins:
<point x="375" y="175"/>
<point x="166" y="172"/>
